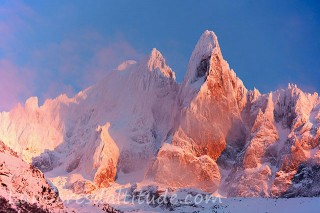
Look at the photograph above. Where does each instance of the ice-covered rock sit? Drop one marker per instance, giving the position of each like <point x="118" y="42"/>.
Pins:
<point x="178" y="168"/>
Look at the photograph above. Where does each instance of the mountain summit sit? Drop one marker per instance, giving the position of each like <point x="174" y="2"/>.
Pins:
<point x="206" y="47"/>
<point x="156" y="61"/>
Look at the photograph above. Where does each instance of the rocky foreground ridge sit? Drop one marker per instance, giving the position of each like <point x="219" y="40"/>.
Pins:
<point x="23" y="187"/>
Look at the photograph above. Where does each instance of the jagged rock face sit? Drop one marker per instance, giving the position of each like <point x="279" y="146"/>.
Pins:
<point x="176" y="167"/>
<point x="213" y="107"/>
<point x="302" y="143"/>
<point x="260" y="148"/>
<point x="211" y="98"/>
<point x="252" y="173"/>
<point x="283" y="137"/>
<point x="305" y="182"/>
<point x="210" y="128"/>
<point x="23" y="183"/>
<point x="103" y="158"/>
<point x="24" y="127"/>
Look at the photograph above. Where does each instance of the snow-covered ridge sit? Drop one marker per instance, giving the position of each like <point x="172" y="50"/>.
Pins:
<point x="24" y="187"/>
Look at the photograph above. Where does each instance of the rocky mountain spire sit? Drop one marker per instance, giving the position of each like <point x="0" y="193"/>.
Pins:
<point x="199" y="61"/>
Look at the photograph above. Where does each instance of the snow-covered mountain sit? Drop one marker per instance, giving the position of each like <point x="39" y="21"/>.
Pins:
<point x="209" y="132"/>
<point x="113" y="127"/>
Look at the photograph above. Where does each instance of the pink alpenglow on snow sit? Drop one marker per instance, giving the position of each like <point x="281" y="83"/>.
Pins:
<point x="138" y="133"/>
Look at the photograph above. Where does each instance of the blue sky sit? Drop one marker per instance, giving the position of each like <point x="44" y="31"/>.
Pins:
<point x="53" y="47"/>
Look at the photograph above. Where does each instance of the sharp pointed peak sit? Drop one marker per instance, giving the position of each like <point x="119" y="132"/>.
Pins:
<point x="207" y="43"/>
<point x="210" y="36"/>
<point x="155" y="58"/>
<point x="155" y="53"/>
<point x="256" y="91"/>
<point x="156" y="61"/>
<point x="206" y="46"/>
